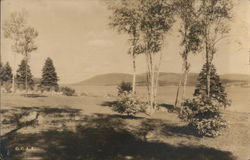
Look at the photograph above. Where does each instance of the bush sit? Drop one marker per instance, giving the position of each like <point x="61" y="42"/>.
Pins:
<point x="124" y="87"/>
<point x="203" y="115"/>
<point x="7" y="85"/>
<point x="129" y="104"/>
<point x="67" y="91"/>
<point x="203" y="111"/>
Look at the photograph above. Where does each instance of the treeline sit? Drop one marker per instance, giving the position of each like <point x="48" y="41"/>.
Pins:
<point x="23" y="37"/>
<point x="24" y="77"/>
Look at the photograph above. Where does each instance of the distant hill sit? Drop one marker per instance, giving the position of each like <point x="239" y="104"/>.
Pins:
<point x="165" y="79"/>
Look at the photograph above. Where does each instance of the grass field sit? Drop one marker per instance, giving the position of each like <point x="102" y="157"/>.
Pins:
<point x="105" y="135"/>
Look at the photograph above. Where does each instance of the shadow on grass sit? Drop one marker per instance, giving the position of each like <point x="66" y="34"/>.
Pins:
<point x="51" y="110"/>
<point x="33" y="95"/>
<point x="122" y="116"/>
<point x="108" y="103"/>
<point x="171" y="108"/>
<point x="182" y="131"/>
<point x="18" y="118"/>
<point x="103" y="137"/>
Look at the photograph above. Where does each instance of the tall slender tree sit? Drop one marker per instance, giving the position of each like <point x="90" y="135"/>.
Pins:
<point x="49" y="76"/>
<point x="23" y="35"/>
<point x="214" y="16"/>
<point x="13" y="28"/>
<point x="27" y="45"/>
<point x="156" y="22"/>
<point x="126" y="18"/>
<point x="191" y="38"/>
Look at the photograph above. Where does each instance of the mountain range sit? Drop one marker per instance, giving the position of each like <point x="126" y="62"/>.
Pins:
<point x="165" y="79"/>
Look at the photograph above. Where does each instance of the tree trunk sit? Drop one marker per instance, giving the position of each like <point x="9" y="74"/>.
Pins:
<point x="207" y="51"/>
<point x="157" y="75"/>
<point x="26" y="76"/>
<point x="177" y="93"/>
<point x="134" y="75"/>
<point x="152" y="82"/>
<point x="148" y="76"/>
<point x="152" y="91"/>
<point x="184" y="85"/>
<point x="13" y="77"/>
<point x="186" y="70"/>
<point x="208" y="72"/>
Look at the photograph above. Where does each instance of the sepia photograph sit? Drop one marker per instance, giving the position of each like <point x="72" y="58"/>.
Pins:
<point x="125" y="80"/>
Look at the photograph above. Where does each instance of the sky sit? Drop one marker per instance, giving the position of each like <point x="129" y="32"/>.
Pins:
<point x="76" y="36"/>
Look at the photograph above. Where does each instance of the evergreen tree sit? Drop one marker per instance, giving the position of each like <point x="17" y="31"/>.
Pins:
<point x="1" y="73"/>
<point x="49" y="76"/>
<point x="21" y="75"/>
<point x="6" y="76"/>
<point x="6" y="73"/>
<point x="217" y="90"/>
<point x="202" y="112"/>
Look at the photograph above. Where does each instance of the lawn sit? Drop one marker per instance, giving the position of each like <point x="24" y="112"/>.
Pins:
<point x="82" y="127"/>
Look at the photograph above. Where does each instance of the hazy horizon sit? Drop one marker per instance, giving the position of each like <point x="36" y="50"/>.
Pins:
<point x="76" y="35"/>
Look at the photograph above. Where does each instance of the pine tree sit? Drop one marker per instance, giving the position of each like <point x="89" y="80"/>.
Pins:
<point x="21" y="76"/>
<point x="6" y="76"/>
<point x="1" y="73"/>
<point x="49" y="76"/>
<point x="202" y="112"/>
<point x="6" y="73"/>
<point x="217" y="90"/>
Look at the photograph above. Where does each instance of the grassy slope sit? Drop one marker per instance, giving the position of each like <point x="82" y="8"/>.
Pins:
<point x="177" y="142"/>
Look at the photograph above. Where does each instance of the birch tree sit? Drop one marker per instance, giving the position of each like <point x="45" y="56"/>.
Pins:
<point x="13" y="29"/>
<point x="27" y="45"/>
<point x="191" y="38"/>
<point x="156" y="22"/>
<point x="22" y="35"/>
<point x="214" y="16"/>
<point x="126" y="18"/>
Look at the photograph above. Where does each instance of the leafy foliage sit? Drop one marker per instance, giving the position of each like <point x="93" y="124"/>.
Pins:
<point x="157" y="19"/>
<point x="126" y="18"/>
<point x="124" y="87"/>
<point x="21" y="74"/>
<point x="67" y="91"/>
<point x="49" y="76"/>
<point x="23" y="37"/>
<point x="16" y="29"/>
<point x="129" y="104"/>
<point x="203" y="115"/>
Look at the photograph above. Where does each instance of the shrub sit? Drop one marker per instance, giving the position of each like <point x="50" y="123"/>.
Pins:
<point x="203" y="111"/>
<point x="124" y="87"/>
<point x="7" y="86"/>
<point x="203" y="115"/>
<point x="129" y="104"/>
<point x="67" y="91"/>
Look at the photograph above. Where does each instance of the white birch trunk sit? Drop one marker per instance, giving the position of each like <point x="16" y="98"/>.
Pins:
<point x="134" y="76"/>
<point x="14" y="74"/>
